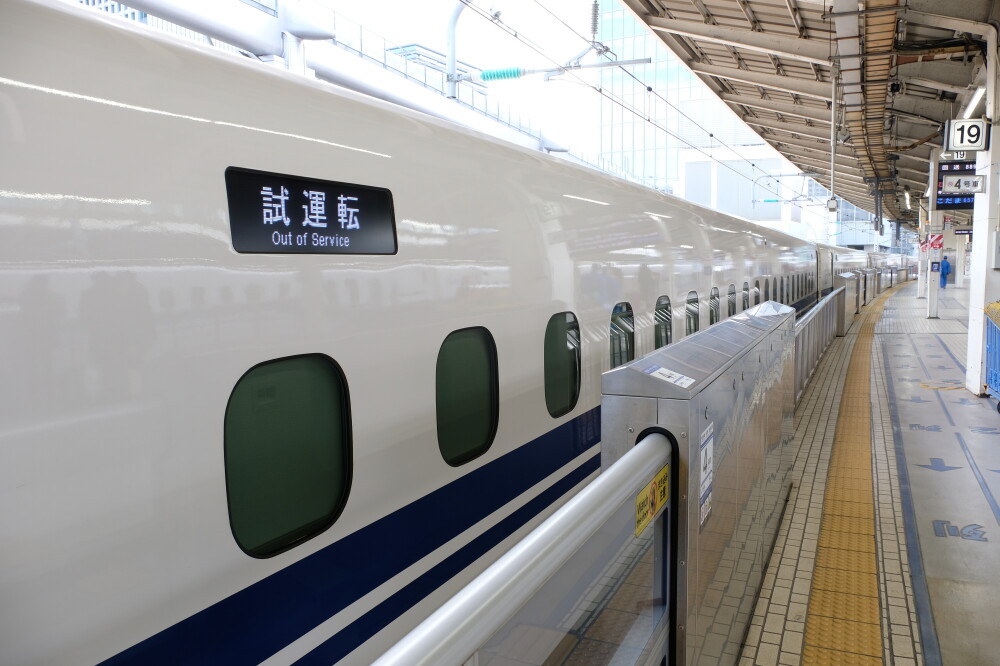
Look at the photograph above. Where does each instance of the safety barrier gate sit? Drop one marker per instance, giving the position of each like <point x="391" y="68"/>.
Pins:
<point x="671" y="540"/>
<point x="725" y="398"/>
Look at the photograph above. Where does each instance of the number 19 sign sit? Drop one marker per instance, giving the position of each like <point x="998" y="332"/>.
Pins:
<point x="970" y="134"/>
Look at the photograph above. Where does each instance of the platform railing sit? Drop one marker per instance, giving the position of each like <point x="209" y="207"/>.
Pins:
<point x="813" y="334"/>
<point x="459" y="628"/>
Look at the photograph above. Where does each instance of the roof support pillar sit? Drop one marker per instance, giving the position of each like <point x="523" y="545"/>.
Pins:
<point x="831" y="204"/>
<point x="984" y="285"/>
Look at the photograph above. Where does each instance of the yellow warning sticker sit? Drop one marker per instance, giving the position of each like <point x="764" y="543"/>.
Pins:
<point x="651" y="499"/>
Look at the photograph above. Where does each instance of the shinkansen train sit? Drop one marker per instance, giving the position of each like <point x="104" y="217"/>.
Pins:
<point x="283" y="366"/>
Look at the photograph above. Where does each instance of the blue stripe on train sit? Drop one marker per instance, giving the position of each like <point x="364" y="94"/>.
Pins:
<point x="256" y="622"/>
<point x="343" y="643"/>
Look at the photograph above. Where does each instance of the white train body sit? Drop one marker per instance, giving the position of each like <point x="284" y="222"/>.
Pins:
<point x="128" y="319"/>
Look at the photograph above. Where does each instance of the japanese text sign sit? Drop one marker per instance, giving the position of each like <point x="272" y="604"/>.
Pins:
<point x="278" y="214"/>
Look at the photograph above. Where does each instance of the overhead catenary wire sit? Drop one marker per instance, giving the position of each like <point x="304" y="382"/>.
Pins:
<point x="857" y="225"/>
<point x="495" y="20"/>
<point x="604" y="93"/>
<point x="649" y="89"/>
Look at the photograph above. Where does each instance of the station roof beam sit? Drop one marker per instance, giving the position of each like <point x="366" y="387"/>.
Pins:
<point x="902" y="70"/>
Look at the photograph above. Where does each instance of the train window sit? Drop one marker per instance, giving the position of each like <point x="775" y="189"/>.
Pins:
<point x="662" y="322"/>
<point x="467" y="390"/>
<point x="287" y="445"/>
<point x="622" y="335"/>
<point x="746" y="295"/>
<point x="732" y="300"/>
<point x="713" y="306"/>
<point x="767" y="290"/>
<point x="756" y="292"/>
<point x="562" y="363"/>
<point x="774" y="289"/>
<point x="693" y="311"/>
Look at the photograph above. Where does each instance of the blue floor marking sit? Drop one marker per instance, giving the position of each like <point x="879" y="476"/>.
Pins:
<point x="938" y="465"/>
<point x="979" y="477"/>
<point x="921" y="596"/>
<point x="959" y="364"/>
<point x="937" y="394"/>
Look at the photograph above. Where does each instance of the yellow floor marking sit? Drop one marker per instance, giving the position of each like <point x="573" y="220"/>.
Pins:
<point x="821" y="657"/>
<point x="843" y="623"/>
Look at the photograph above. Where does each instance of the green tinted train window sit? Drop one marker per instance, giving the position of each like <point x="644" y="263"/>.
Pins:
<point x="467" y="395"/>
<point x="693" y="311"/>
<point x="622" y="334"/>
<point x="562" y="363"/>
<point x="662" y="322"/>
<point x="288" y="452"/>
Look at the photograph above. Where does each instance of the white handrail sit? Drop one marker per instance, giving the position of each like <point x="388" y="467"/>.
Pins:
<point x="456" y="630"/>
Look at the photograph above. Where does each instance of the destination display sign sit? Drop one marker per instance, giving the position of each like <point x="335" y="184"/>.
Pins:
<point x="271" y="213"/>
<point x="950" y="170"/>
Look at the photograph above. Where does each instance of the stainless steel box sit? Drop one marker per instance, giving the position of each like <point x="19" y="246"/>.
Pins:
<point x="725" y="398"/>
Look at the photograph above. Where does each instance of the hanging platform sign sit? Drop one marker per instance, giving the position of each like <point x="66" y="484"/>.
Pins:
<point x="972" y="134"/>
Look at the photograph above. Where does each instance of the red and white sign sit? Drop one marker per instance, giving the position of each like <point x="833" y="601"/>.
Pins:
<point x="936" y="240"/>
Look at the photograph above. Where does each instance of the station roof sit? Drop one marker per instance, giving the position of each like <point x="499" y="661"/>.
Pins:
<point x="903" y="67"/>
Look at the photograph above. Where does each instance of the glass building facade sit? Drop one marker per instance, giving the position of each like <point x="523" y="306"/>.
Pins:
<point x="652" y="113"/>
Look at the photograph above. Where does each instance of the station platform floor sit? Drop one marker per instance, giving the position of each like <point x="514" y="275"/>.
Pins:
<point x="889" y="550"/>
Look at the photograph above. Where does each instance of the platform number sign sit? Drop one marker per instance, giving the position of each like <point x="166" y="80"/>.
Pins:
<point x="970" y="135"/>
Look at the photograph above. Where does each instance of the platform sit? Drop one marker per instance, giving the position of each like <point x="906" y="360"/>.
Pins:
<point x="890" y="544"/>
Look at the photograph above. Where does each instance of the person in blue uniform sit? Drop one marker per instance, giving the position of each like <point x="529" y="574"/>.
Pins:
<point x="945" y="271"/>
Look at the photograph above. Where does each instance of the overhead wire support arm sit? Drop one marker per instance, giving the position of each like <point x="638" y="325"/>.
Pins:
<point x="517" y="72"/>
<point x="451" y="76"/>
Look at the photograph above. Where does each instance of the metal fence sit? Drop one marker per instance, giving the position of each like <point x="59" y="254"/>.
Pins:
<point x="814" y="333"/>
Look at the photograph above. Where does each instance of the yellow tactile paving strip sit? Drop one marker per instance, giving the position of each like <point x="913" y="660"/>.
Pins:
<point x="843" y="623"/>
